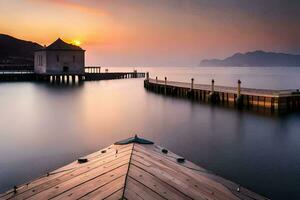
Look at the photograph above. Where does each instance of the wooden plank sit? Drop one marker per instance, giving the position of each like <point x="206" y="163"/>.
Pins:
<point x="168" y="161"/>
<point x="85" y="183"/>
<point x="206" y="176"/>
<point x="170" y="158"/>
<point x="137" y="191"/>
<point x="157" y="150"/>
<point x="106" y="190"/>
<point x="97" y="156"/>
<point x="109" y="149"/>
<point x="115" y="196"/>
<point x="186" y="184"/>
<point x="131" y="195"/>
<point x="155" y="184"/>
<point x="81" y="190"/>
<point x="149" y="174"/>
<point x="244" y="193"/>
<point x="228" y="184"/>
<point x="70" y="168"/>
<point x="113" y="161"/>
<point x="209" y="187"/>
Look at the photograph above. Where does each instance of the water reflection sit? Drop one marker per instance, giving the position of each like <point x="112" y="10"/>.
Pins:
<point x="43" y="127"/>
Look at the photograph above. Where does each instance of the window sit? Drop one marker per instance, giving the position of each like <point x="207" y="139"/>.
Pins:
<point x="57" y="58"/>
<point x="73" y="59"/>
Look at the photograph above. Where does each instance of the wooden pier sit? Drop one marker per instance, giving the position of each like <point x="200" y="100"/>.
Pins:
<point x="259" y="99"/>
<point x="90" y="74"/>
<point x="133" y="169"/>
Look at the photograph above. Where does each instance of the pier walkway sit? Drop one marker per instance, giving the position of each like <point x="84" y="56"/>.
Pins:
<point x="274" y="100"/>
<point x="227" y="89"/>
<point x="90" y="74"/>
<point x="133" y="169"/>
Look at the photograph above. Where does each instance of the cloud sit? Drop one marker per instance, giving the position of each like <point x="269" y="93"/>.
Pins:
<point x="74" y="5"/>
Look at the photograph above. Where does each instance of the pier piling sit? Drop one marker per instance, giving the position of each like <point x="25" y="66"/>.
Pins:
<point x="239" y="88"/>
<point x="165" y="85"/>
<point x="250" y="98"/>
<point x="89" y="74"/>
<point x="239" y="98"/>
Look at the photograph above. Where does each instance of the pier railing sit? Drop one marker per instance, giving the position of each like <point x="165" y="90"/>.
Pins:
<point x="228" y="89"/>
<point x="92" y="69"/>
<point x="16" y="67"/>
<point x="276" y="100"/>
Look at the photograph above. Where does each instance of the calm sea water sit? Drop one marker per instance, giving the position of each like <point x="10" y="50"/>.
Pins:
<point x="43" y="127"/>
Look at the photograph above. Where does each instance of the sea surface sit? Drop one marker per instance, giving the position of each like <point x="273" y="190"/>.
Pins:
<point x="43" y="126"/>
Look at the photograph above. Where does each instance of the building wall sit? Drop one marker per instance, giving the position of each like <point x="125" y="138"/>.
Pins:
<point x="57" y="60"/>
<point x="70" y="62"/>
<point x="40" y="61"/>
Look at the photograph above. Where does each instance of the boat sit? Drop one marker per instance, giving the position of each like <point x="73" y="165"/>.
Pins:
<point x="131" y="169"/>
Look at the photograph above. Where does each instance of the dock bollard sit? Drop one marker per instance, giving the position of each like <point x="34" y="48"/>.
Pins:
<point x="239" y="88"/>
<point x="213" y="97"/>
<point x="165" y="85"/>
<point x="192" y="83"/>
<point x="190" y="93"/>
<point x="239" y="98"/>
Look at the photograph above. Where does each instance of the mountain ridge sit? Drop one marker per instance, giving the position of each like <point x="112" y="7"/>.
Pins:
<point x="16" y="51"/>
<point x="255" y="58"/>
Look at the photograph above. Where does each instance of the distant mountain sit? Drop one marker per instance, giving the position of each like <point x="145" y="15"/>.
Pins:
<point x="16" y="51"/>
<point x="256" y="58"/>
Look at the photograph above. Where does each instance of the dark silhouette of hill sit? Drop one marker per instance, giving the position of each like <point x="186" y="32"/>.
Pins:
<point x="16" y="51"/>
<point x="256" y="58"/>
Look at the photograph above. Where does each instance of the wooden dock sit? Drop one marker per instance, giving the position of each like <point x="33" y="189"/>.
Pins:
<point x="133" y="169"/>
<point x="90" y="74"/>
<point x="273" y="100"/>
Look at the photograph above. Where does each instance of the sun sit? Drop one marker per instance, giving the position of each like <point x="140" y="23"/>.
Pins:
<point x="76" y="42"/>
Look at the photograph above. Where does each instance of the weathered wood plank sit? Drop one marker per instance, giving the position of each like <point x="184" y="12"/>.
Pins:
<point x="152" y="182"/>
<point x="137" y="191"/>
<point x="206" y="177"/>
<point x="81" y="185"/>
<point x="98" y="156"/>
<point x="186" y="184"/>
<point x="182" y="178"/>
<point x="111" y="161"/>
<point x="115" y="196"/>
<point x="244" y="193"/>
<point x="167" y="161"/>
<point x="136" y="171"/>
<point x="155" y="151"/>
<point x="106" y="190"/>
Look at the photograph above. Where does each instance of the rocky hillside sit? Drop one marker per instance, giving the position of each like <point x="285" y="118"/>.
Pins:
<point x="16" y="51"/>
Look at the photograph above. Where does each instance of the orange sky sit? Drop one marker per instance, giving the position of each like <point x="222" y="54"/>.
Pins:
<point x="156" y="32"/>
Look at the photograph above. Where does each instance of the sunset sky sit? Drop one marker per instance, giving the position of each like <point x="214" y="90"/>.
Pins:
<point x="156" y="32"/>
